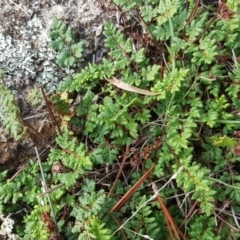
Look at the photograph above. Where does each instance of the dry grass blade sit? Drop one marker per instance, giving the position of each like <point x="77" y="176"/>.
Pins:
<point x="44" y="183"/>
<point x="19" y="8"/>
<point x="172" y="227"/>
<point x="119" y="225"/>
<point x="131" y="191"/>
<point x="120" y="170"/>
<point x="194" y="12"/>
<point x="122" y="85"/>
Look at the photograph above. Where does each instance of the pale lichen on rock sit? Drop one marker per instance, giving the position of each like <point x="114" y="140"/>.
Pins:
<point x="26" y="56"/>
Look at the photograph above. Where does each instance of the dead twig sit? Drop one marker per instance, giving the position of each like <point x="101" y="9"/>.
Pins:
<point x="46" y="189"/>
<point x="50" y="111"/>
<point x="120" y="169"/>
<point x="19" y="8"/>
<point x="131" y="191"/>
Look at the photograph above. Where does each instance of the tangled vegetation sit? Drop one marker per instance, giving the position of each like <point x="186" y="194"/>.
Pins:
<point x="151" y="150"/>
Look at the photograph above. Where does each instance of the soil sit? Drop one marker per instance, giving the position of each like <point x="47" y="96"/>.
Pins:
<point x="27" y="61"/>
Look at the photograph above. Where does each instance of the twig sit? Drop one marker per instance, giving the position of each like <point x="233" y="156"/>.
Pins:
<point x="206" y="28"/>
<point x="149" y="200"/>
<point x="41" y="153"/>
<point x="120" y="169"/>
<point x="107" y="176"/>
<point x="139" y="234"/>
<point x="227" y="213"/>
<point x="125" y="178"/>
<point x="193" y="13"/>
<point x="177" y="200"/>
<point x="35" y="116"/>
<point x="25" y="123"/>
<point x="189" y="215"/>
<point x="50" y="111"/>
<point x="235" y="59"/>
<point x="121" y="230"/>
<point x="234" y="217"/>
<point x="46" y="189"/>
<point x="172" y="227"/>
<point x="19" y="170"/>
<point x="131" y="191"/>
<point x="19" y="7"/>
<point x="51" y="190"/>
<point x="224" y="207"/>
<point x="235" y="229"/>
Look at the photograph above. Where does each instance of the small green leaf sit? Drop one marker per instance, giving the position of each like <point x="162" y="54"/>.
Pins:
<point x="224" y="141"/>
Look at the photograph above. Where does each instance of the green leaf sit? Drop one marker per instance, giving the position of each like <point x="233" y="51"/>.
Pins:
<point x="78" y="49"/>
<point x="166" y="10"/>
<point x="139" y="56"/>
<point x="224" y="141"/>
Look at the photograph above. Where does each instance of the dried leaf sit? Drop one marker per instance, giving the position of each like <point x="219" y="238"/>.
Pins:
<point x="122" y="85"/>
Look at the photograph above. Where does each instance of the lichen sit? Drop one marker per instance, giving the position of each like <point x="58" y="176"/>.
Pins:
<point x="26" y="56"/>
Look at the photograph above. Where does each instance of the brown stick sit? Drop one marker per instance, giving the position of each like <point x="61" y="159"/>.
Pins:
<point x="131" y="191"/>
<point x="120" y="170"/>
<point x="172" y="227"/>
<point x="50" y="111"/>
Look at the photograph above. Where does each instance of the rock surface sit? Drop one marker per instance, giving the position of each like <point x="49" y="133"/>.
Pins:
<point x="26" y="56"/>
